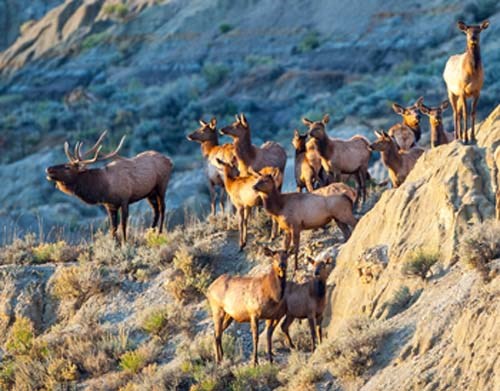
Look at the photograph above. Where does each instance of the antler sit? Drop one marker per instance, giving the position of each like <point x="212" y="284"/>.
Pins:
<point x="96" y="149"/>
<point x="78" y="147"/>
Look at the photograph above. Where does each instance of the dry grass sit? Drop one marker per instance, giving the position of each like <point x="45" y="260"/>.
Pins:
<point x="164" y="321"/>
<point x="300" y="373"/>
<point x="480" y="244"/>
<point x="419" y="264"/>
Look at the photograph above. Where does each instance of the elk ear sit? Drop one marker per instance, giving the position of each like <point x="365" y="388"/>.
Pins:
<point x="326" y="119"/>
<point x="203" y="123"/>
<point x="213" y="123"/>
<point x="243" y="120"/>
<point x="445" y="104"/>
<point x="398" y="109"/>
<point x="296" y="133"/>
<point x="310" y="260"/>
<point x="462" y="26"/>
<point x="419" y="101"/>
<point x="378" y="134"/>
<point x="307" y="122"/>
<point x="329" y="260"/>
<point x="237" y="118"/>
<point x="485" y="25"/>
<point x="424" y="109"/>
<point x="268" y="252"/>
<point x="386" y="135"/>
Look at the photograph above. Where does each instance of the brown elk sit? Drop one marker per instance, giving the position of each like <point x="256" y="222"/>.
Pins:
<point x="338" y="188"/>
<point x="438" y="135"/>
<point x="301" y="211"/>
<point x="342" y="156"/>
<point x="398" y="162"/>
<point x="463" y="75"/>
<point x="305" y="174"/>
<point x="308" y="301"/>
<point x="249" y="299"/>
<point x="207" y="136"/>
<point x="244" y="197"/>
<point x="116" y="185"/>
<point x="408" y="132"/>
<point x="270" y="154"/>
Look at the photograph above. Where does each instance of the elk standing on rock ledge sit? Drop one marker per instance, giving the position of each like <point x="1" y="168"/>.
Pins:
<point x="408" y="132"/>
<point x="116" y="185"/>
<point x="463" y="75"/>
<point x="438" y="135"/>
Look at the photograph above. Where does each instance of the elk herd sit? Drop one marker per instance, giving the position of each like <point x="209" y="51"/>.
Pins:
<point x="251" y="176"/>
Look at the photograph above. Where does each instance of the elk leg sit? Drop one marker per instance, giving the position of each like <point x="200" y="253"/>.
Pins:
<point x="344" y="228"/>
<point x="113" y="219"/>
<point x="295" y="243"/>
<point x="156" y="211"/>
<point x="211" y="190"/>
<point x="286" y="241"/>
<point x="319" y="334"/>
<point x="123" y="221"/>
<point x="463" y="105"/>
<point x="226" y="322"/>
<point x="218" y="317"/>
<point x="270" y="325"/>
<point x="246" y="214"/>
<point x="285" y="326"/>
<point x="453" y="101"/>
<point x="161" y="205"/>
<point x="222" y="199"/>
<point x="312" y="328"/>
<point x="241" y="218"/>
<point x="254" y="323"/>
<point x="473" y="118"/>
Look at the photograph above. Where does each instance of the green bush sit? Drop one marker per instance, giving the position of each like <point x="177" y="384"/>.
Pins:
<point x="132" y="361"/>
<point x="94" y="40"/>
<point x="419" y="264"/>
<point x="224" y="28"/>
<point x="21" y="335"/>
<point x="255" y="378"/>
<point x="118" y="10"/>
<point x="309" y="42"/>
<point x="214" y="74"/>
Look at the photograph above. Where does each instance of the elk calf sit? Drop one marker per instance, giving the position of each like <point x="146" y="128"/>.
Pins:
<point x="116" y="185"/>
<point x="438" y="135"/>
<point x="299" y="211"/>
<point x="398" y="162"/>
<point x="249" y="299"/>
<point x="463" y="75"/>
<point x="305" y="174"/>
<point x="342" y="156"/>
<point x="207" y="136"/>
<point x="408" y="132"/>
<point x="308" y="300"/>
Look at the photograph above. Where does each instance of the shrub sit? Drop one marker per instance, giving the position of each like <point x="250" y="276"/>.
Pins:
<point x="20" y="251"/>
<point x="480" y="244"/>
<point x="419" y="264"/>
<point x="7" y="372"/>
<point x="94" y="40"/>
<point x="21" y="335"/>
<point x="214" y="74"/>
<point x="54" y="252"/>
<point x="118" y="10"/>
<point x="300" y="374"/>
<point x="132" y="361"/>
<point x="255" y="378"/>
<point x="224" y="28"/>
<point x="154" y="238"/>
<point x="309" y="42"/>
<point x="354" y="349"/>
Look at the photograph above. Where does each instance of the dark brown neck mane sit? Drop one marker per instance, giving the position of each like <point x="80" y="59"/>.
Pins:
<point x="391" y="157"/>
<point x="90" y="186"/>
<point x="273" y="202"/>
<point x="208" y="145"/>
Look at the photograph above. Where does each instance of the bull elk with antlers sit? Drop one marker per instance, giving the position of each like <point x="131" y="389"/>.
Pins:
<point x="116" y="185"/>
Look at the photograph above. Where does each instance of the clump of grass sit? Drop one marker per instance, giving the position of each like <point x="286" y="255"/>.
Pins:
<point x="354" y="349"/>
<point x="21" y="336"/>
<point x="419" y="264"/>
<point x="134" y="360"/>
<point x="480" y="244"/>
<point x="20" y="251"/>
<point x="191" y="280"/>
<point x="7" y="373"/>
<point x="54" y="252"/>
<point x="255" y="378"/>
<point x="155" y="239"/>
<point x="300" y="374"/>
<point x="94" y="40"/>
<point x="309" y="42"/>
<point x="118" y="10"/>
<point x="61" y="370"/>
<point x="224" y="28"/>
<point x="167" y="319"/>
<point x="214" y="74"/>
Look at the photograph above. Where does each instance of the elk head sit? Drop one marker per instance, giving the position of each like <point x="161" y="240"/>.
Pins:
<point x="435" y="114"/>
<point x="317" y="128"/>
<point x="230" y="170"/>
<point x="473" y="32"/>
<point x="206" y="132"/>
<point x="265" y="184"/>
<point x="321" y="269"/>
<point x="280" y="261"/>
<point x="383" y="142"/>
<point x="411" y="114"/>
<point x="67" y="174"/>
<point x="299" y="141"/>
<point x="238" y="129"/>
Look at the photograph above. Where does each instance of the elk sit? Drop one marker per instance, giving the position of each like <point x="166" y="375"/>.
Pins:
<point x="398" y="162"/>
<point x="116" y="185"/>
<point x="305" y="174"/>
<point x="308" y="301"/>
<point x="300" y="211"/>
<point x="338" y="188"/>
<point x="249" y="299"/>
<point x="342" y="156"/>
<point x="438" y="135"/>
<point x="270" y="154"/>
<point x="244" y="197"/>
<point x="207" y="136"/>
<point x="463" y="75"/>
<point x="408" y="132"/>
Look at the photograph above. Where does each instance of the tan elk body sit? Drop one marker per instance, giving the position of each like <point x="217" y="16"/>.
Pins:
<point x="408" y="132"/>
<point x="249" y="299"/>
<point x="306" y="176"/>
<point x="438" y="135"/>
<point x="464" y="76"/>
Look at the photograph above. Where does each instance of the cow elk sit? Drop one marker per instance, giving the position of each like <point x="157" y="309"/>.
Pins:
<point x="463" y="75"/>
<point x="249" y="299"/>
<point x="270" y="154"/>
<point x="338" y="188"/>
<point x="207" y="136"/>
<point x="302" y="211"/>
<point x="408" y="132"/>
<point x="308" y="301"/>
<point x="438" y="135"/>
<point x="116" y="185"/>
<point x="342" y="156"/>
<point x="305" y="174"/>
<point x="398" y="162"/>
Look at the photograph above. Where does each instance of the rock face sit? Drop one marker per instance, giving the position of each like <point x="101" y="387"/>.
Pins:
<point x="450" y="188"/>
